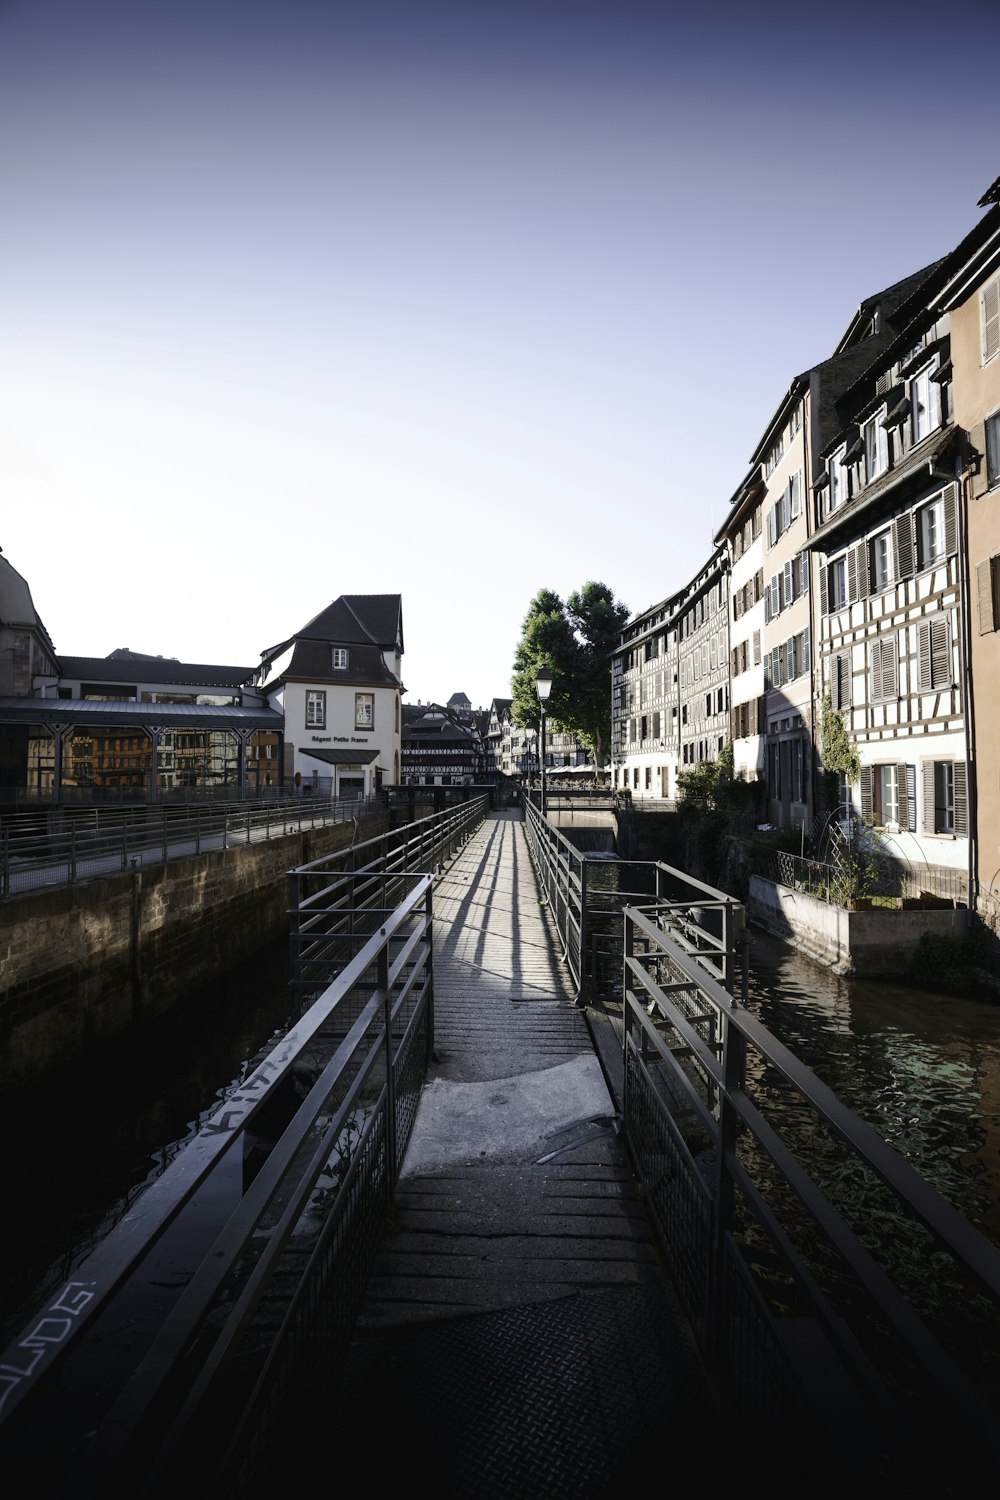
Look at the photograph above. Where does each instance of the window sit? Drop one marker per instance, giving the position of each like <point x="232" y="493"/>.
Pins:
<point x="925" y="408"/>
<point x="876" y="447"/>
<point x="945" y="797"/>
<point x="837" y="583"/>
<point x="838" y="479"/>
<point x="881" y="560"/>
<point x="364" y="710"/>
<point x="315" y="710"/>
<point x="930" y="522"/>
<point x="990" y="309"/>
<point x="993" y="450"/>
<point x="840" y="680"/>
<point x="888" y="795"/>
<point x="339" y="658"/>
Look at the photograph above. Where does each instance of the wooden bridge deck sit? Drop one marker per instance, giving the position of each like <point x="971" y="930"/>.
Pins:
<point x="517" y="1311"/>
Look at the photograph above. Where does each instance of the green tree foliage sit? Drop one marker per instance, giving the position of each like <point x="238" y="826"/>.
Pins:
<point x="574" y="640"/>
<point x="840" y="755"/>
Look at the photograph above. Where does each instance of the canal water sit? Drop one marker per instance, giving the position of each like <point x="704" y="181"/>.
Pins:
<point x="923" y="1068"/>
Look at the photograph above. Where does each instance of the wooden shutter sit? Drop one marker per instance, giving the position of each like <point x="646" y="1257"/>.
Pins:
<point x="959" y="771"/>
<point x="902" y="546"/>
<point x="984" y="590"/>
<point x="824" y="607"/>
<point x="940" y="646"/>
<point x="876" y="668"/>
<point x="991" y="320"/>
<point x="925" y="677"/>
<point x="911" y="797"/>
<point x="927" y="788"/>
<point x="857" y="573"/>
<point x="950" y="514"/>
<point x="889" y="667"/>
<point x="756" y="648"/>
<point x="867" y="797"/>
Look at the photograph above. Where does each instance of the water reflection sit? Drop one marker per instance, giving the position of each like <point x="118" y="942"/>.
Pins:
<point x="922" y="1068"/>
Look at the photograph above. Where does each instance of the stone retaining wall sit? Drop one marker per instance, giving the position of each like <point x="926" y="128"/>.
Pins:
<point x="876" y="944"/>
<point x="80" y="965"/>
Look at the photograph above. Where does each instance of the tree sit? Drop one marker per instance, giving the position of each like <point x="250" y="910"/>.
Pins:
<point x="574" y="641"/>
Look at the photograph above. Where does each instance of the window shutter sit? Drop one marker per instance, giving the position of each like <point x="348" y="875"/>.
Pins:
<point x="835" y="682"/>
<point x="911" y="797"/>
<point x="904" y="796"/>
<point x="950" y="511"/>
<point x="889" y="667"/>
<point x="984" y="589"/>
<point x="925" y="678"/>
<point x="940" y="654"/>
<point x="961" y="800"/>
<point x="927" y="788"/>
<point x="991" y="319"/>
<point x="788" y="584"/>
<point x="867" y="800"/>
<point x="902" y="546"/>
<point x="803" y="572"/>
<point x="857" y="573"/>
<point x="806" y="655"/>
<point x="876" y="669"/>
<point x="756" y="648"/>
<point x="824" y="607"/>
<point x="771" y="535"/>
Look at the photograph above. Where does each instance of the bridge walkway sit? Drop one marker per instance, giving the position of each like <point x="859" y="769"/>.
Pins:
<point x="518" y="1337"/>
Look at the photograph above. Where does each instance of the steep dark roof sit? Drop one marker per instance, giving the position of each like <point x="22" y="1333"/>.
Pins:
<point x="356" y="619"/>
<point x="82" y="712"/>
<point x="311" y="661"/>
<point x="117" y="668"/>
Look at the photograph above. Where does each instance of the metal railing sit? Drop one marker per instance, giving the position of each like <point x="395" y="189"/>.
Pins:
<point x="166" y="1358"/>
<point x="883" y="881"/>
<point x="334" y="902"/>
<point x="96" y="842"/>
<point x="587" y="916"/>
<point x="833" y="1292"/>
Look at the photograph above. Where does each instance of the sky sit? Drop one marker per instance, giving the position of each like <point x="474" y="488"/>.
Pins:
<point x="455" y="300"/>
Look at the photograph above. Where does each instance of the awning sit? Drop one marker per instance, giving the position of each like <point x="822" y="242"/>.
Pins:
<point x="357" y="757"/>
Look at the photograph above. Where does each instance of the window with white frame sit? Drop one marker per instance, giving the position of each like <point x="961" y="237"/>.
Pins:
<point x="315" y="709"/>
<point x="931" y="532"/>
<point x="876" y="447"/>
<point x="886" y="794"/>
<point x="925" y="404"/>
<point x="340" y="658"/>
<point x="364" y="710"/>
<point x="989" y="304"/>
<point x="837" y="583"/>
<point x="838" y="479"/>
<point x="993" y="449"/>
<point x="880" y="552"/>
<point x="945" y="797"/>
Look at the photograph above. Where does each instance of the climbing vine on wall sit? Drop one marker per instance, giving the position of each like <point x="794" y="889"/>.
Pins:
<point x="840" y="754"/>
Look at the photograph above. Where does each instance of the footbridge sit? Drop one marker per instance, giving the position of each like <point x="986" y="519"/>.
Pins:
<point x="512" y="1208"/>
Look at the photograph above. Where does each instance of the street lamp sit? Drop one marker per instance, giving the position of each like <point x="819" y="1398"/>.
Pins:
<point x="543" y="687"/>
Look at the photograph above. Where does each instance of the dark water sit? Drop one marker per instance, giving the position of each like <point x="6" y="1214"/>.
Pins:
<point x="77" y="1151"/>
<point x="921" y="1067"/>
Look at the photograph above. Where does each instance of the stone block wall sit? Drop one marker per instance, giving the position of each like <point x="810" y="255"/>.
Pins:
<point x="80" y="965"/>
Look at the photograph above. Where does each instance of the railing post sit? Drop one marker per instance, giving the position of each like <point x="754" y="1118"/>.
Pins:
<point x="581" y="996"/>
<point x="716" y="1314"/>
<point x="72" y="856"/>
<point x="163" y="825"/>
<point x="382" y="970"/>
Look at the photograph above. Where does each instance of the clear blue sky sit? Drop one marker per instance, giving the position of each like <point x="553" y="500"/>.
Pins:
<point x="454" y="300"/>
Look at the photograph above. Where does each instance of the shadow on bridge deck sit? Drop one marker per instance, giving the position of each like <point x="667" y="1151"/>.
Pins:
<point x="518" y="1337"/>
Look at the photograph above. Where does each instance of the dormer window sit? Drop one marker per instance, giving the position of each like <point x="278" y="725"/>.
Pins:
<point x="340" y="658"/>
<point x="876" y="447"/>
<point x="838" y="480"/>
<point x="925" y="405"/>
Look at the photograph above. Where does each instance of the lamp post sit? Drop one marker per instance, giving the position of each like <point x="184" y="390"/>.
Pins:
<point x="543" y="687"/>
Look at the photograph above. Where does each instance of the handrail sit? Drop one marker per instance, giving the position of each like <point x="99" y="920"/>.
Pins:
<point x="252" y="1178"/>
<point x="155" y="835"/>
<point x="688" y="906"/>
<point x="758" y="1217"/>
